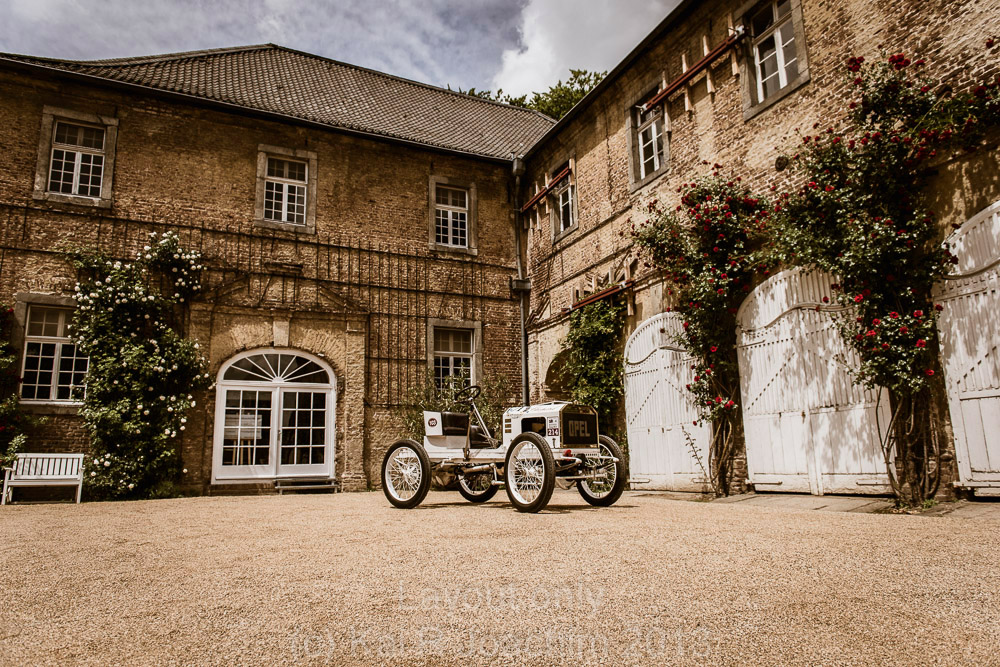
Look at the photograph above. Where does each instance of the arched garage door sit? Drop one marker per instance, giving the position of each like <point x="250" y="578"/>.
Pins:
<point x="808" y="427"/>
<point x="666" y="450"/>
<point x="970" y="332"/>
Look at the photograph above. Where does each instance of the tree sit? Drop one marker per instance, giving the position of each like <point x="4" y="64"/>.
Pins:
<point x="554" y="102"/>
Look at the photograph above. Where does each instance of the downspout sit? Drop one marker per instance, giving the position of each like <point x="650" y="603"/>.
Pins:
<point x="521" y="286"/>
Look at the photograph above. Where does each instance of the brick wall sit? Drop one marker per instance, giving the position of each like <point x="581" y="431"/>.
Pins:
<point x="358" y="292"/>
<point x="950" y="34"/>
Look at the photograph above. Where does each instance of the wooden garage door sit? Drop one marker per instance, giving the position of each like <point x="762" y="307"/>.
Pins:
<point x="970" y="330"/>
<point x="808" y="427"/>
<point x="666" y="450"/>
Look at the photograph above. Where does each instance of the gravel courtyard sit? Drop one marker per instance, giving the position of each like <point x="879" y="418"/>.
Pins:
<point x="346" y="579"/>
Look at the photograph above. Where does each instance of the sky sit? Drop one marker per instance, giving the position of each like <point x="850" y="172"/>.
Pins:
<point x="520" y="46"/>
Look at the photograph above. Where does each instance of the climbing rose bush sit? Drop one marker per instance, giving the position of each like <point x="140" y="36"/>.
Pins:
<point x="710" y="251"/>
<point x="860" y="214"/>
<point x="143" y="373"/>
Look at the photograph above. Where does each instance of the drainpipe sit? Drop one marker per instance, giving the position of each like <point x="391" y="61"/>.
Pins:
<point x="521" y="286"/>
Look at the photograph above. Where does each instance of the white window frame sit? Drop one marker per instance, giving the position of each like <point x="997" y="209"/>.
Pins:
<point x="78" y="153"/>
<point x="451" y="356"/>
<point x="266" y="152"/>
<point x="562" y="198"/>
<point x="452" y="214"/>
<point x="471" y="246"/>
<point x="285" y="184"/>
<point x="655" y="124"/>
<point x="47" y="147"/>
<point x="277" y="388"/>
<point x="775" y="31"/>
<point x="58" y="341"/>
<point x="476" y="357"/>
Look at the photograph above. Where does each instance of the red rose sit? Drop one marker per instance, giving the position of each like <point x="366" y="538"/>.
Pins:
<point x="870" y="332"/>
<point x="929" y="372"/>
<point x="714" y="348"/>
<point x="938" y="307"/>
<point x="894" y="315"/>
<point x="826" y="299"/>
<point x="921" y="342"/>
<point x="858" y="299"/>
<point x="918" y="314"/>
<point x="903" y="330"/>
<point x="876" y="322"/>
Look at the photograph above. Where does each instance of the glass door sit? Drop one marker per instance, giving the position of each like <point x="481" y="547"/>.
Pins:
<point x="303" y="441"/>
<point x="247" y="434"/>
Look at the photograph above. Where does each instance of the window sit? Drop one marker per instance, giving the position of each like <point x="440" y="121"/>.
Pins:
<point x="77" y="164"/>
<point x="452" y="205"/>
<point x="286" y="189"/>
<point x="75" y="158"/>
<point x="564" y="206"/>
<point x="453" y="354"/>
<point x="53" y="369"/>
<point x="775" y="63"/>
<point x="274" y="417"/>
<point x="773" y="47"/>
<point x="648" y="136"/>
<point x="451" y="217"/>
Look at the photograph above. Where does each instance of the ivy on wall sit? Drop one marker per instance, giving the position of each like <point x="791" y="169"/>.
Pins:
<point x="143" y="372"/>
<point x="860" y="214"/>
<point x="710" y="251"/>
<point x="592" y="370"/>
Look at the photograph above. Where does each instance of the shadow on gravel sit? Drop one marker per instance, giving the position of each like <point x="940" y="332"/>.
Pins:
<point x="549" y="509"/>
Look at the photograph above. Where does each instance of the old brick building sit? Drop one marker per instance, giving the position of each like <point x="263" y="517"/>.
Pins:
<point x="372" y="225"/>
<point x="731" y="82"/>
<point x="348" y="218"/>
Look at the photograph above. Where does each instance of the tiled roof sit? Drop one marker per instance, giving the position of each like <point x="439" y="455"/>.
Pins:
<point x="279" y="80"/>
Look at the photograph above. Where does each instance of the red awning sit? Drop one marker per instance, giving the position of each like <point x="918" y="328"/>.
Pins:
<point x="544" y="191"/>
<point x="695" y="69"/>
<point x="605" y="293"/>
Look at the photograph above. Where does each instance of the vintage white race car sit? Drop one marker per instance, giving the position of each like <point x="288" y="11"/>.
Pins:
<point x="541" y="446"/>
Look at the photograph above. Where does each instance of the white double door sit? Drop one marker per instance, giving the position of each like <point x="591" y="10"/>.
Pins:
<point x="273" y="431"/>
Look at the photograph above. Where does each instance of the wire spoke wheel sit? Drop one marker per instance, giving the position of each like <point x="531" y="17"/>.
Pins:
<point x="529" y="472"/>
<point x="609" y="480"/>
<point x="405" y="474"/>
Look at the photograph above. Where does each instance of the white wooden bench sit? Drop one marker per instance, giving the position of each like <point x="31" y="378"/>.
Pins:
<point x="43" y="470"/>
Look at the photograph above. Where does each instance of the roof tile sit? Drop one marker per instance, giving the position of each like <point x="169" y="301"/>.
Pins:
<point x="279" y="80"/>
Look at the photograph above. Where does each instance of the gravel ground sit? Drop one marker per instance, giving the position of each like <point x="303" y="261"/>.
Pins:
<point x="346" y="579"/>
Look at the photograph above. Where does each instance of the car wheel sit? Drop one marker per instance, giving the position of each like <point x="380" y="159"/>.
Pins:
<point x="477" y="487"/>
<point x="406" y="474"/>
<point x="605" y="492"/>
<point x="529" y="472"/>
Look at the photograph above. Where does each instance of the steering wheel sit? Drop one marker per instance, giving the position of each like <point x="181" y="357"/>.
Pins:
<point x="468" y="394"/>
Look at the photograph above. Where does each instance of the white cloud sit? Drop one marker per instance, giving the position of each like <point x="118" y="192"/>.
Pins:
<point x="557" y="35"/>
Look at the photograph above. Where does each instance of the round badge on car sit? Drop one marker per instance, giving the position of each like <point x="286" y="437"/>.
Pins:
<point x="432" y="422"/>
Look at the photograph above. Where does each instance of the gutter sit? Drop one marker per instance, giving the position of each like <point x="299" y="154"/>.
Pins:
<point x="521" y="286"/>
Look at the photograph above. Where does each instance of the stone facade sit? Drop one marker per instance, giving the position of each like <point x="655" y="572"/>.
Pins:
<point x="358" y="291"/>
<point x="361" y="284"/>
<point x="712" y="121"/>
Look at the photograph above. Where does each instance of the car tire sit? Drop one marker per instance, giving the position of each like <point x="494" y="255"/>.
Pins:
<point x="609" y="496"/>
<point x="406" y="474"/>
<point x="529" y="481"/>
<point x="471" y="487"/>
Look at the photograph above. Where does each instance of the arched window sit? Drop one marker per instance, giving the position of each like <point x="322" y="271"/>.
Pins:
<point x="274" y="417"/>
<point x="276" y="367"/>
